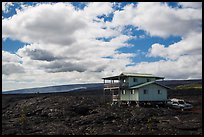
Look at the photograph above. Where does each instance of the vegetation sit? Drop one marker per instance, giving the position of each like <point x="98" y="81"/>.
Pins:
<point x="190" y="86"/>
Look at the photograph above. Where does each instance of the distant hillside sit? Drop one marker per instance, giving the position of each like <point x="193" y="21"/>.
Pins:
<point x="175" y="83"/>
<point x="191" y="86"/>
<point x="93" y="87"/>
<point x="60" y="88"/>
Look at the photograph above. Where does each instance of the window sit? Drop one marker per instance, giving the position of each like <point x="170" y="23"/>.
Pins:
<point x="148" y="80"/>
<point x="181" y="102"/>
<point x="159" y="92"/>
<point x="123" y="92"/>
<point x="145" y="91"/>
<point x="124" y="80"/>
<point x="133" y="91"/>
<point x="134" y="79"/>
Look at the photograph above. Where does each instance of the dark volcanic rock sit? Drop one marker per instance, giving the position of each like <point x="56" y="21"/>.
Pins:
<point x="64" y="114"/>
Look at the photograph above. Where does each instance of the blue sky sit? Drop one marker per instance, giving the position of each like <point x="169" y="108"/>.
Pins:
<point x="77" y="40"/>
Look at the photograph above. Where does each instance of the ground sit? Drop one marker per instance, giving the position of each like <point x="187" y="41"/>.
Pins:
<point x="86" y="114"/>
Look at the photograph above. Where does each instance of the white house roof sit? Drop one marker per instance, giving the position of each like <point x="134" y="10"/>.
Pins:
<point x="125" y="74"/>
<point x="148" y="83"/>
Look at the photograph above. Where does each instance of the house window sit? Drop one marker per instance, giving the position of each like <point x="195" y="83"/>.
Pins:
<point x="159" y="91"/>
<point x="123" y="92"/>
<point x="133" y="91"/>
<point x="148" y="80"/>
<point x="134" y="79"/>
<point x="145" y="91"/>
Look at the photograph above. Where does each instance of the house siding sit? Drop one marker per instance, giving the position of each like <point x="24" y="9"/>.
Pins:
<point x="139" y="95"/>
<point x="152" y="94"/>
<point x="128" y="96"/>
<point x="140" y="80"/>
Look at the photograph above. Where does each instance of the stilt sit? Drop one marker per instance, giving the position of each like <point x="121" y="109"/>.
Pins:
<point x="128" y="103"/>
<point x="138" y="104"/>
<point x="119" y="102"/>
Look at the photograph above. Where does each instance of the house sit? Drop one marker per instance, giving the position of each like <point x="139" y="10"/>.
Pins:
<point x="136" y="87"/>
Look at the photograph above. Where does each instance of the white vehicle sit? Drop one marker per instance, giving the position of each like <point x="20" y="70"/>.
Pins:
<point x="179" y="104"/>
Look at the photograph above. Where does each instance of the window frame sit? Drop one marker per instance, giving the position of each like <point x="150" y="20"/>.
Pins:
<point x="135" y="80"/>
<point x="132" y="91"/>
<point x="159" y="91"/>
<point x="145" y="91"/>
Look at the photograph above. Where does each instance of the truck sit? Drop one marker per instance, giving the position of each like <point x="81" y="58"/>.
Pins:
<point x="178" y="104"/>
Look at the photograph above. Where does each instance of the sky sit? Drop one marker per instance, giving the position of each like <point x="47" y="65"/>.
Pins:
<point x="57" y="43"/>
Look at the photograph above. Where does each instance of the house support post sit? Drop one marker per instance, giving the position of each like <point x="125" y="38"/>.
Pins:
<point x="103" y="90"/>
<point x="138" y="104"/>
<point x="128" y="103"/>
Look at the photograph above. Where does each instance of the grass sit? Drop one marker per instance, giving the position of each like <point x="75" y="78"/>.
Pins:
<point x="190" y="86"/>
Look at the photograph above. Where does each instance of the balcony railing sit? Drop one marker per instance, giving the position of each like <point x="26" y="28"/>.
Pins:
<point x="115" y="85"/>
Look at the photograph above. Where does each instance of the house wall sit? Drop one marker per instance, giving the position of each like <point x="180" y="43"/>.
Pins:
<point x="139" y="80"/>
<point x="139" y="95"/>
<point x="152" y="94"/>
<point x="128" y="96"/>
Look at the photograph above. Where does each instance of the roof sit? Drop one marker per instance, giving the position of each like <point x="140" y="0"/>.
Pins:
<point x="148" y="83"/>
<point x="125" y="74"/>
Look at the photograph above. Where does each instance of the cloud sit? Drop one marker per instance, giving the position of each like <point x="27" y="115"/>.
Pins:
<point x="190" y="45"/>
<point x="191" y="4"/>
<point x="185" y="67"/>
<point x="44" y="23"/>
<point x="5" y="6"/>
<point x="38" y="54"/>
<point x="8" y="57"/>
<point x="62" y="66"/>
<point x="68" y="45"/>
<point x="10" y="68"/>
<point x="94" y="9"/>
<point x="11" y="63"/>
<point x="148" y="16"/>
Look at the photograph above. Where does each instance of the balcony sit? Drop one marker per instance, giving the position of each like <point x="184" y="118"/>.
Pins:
<point x="116" y="85"/>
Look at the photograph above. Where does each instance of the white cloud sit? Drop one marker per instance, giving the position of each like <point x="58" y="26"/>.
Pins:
<point x="148" y="16"/>
<point x="30" y="25"/>
<point x="94" y="9"/>
<point x="5" y="6"/>
<point x="184" y="67"/>
<point x="190" y="45"/>
<point x="8" y="57"/>
<point x="63" y="46"/>
<point x="9" y="68"/>
<point x="11" y="63"/>
<point x="191" y="4"/>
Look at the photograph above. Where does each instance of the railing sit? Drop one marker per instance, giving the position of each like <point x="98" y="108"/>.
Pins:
<point x="111" y="85"/>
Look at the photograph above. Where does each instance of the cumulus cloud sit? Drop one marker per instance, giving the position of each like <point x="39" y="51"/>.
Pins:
<point x="67" y="45"/>
<point x="10" y="68"/>
<point x="5" y="6"/>
<point x="190" y="45"/>
<point x="38" y="54"/>
<point x="148" y="16"/>
<point x="94" y="9"/>
<point x="43" y="24"/>
<point x="11" y="64"/>
<point x="185" y="67"/>
<point x="191" y="4"/>
<point x="9" y="57"/>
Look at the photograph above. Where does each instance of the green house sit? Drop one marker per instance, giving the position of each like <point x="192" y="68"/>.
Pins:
<point x="136" y="87"/>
